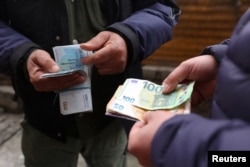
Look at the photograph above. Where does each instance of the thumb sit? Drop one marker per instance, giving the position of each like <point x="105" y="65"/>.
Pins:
<point x="178" y="75"/>
<point x="53" y="68"/>
<point x="89" y="46"/>
<point x="47" y="63"/>
<point x="43" y="61"/>
<point x="96" y="42"/>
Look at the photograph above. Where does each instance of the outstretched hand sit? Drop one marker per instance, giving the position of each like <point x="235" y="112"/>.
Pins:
<point x="202" y="69"/>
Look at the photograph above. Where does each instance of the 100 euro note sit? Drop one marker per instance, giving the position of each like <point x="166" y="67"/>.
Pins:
<point x="132" y="99"/>
<point x="76" y="98"/>
<point x="148" y="95"/>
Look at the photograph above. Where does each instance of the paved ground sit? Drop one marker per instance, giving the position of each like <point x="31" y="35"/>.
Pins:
<point x="10" y="152"/>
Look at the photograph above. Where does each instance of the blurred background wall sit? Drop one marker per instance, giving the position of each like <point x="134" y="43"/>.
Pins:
<point x="202" y="23"/>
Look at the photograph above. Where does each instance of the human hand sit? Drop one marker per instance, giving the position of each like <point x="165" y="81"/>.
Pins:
<point x="110" y="56"/>
<point x="202" y="69"/>
<point x="142" y="134"/>
<point x="40" y="62"/>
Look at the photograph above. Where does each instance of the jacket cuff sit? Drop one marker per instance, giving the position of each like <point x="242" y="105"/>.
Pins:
<point x="130" y="38"/>
<point x="218" y="51"/>
<point x="19" y="58"/>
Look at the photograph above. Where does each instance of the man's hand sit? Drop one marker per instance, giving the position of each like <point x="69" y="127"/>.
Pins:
<point x="110" y="56"/>
<point x="202" y="69"/>
<point x="142" y="134"/>
<point x="40" y="62"/>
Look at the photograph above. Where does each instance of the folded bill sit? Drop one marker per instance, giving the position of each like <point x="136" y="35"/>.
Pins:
<point x="135" y="97"/>
<point x="62" y="73"/>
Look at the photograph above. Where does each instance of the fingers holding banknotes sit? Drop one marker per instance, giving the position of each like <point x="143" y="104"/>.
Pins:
<point x="202" y="69"/>
<point x="40" y="62"/>
<point x="142" y="133"/>
<point x="110" y="56"/>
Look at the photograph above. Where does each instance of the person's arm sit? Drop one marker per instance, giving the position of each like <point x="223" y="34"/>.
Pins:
<point x="131" y="40"/>
<point x="190" y="137"/>
<point x="14" y="48"/>
<point x="202" y="69"/>
<point x="148" y="28"/>
<point x="20" y="56"/>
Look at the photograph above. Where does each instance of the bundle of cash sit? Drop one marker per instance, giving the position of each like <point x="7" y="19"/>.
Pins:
<point x="135" y="97"/>
<point x="76" y="98"/>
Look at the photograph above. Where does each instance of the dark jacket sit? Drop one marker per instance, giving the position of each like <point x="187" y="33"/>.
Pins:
<point x="190" y="137"/>
<point x="26" y="25"/>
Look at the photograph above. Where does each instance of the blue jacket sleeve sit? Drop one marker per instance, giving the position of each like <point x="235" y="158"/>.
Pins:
<point x="13" y="48"/>
<point x="147" y="29"/>
<point x="190" y="137"/>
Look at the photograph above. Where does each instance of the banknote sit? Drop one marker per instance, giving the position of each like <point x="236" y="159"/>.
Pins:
<point x="61" y="73"/>
<point x="75" y="101"/>
<point x="121" y="109"/>
<point x="68" y="58"/>
<point x="77" y="98"/>
<point x="130" y="102"/>
<point x="148" y="95"/>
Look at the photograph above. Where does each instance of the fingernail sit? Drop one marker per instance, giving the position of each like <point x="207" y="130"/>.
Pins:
<point x="165" y="87"/>
<point x="54" y="68"/>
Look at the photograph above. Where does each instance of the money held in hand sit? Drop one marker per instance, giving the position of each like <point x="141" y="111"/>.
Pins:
<point x="77" y="98"/>
<point x="132" y="99"/>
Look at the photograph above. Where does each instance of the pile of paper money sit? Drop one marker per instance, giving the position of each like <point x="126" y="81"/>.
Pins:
<point x="77" y="98"/>
<point x="135" y="97"/>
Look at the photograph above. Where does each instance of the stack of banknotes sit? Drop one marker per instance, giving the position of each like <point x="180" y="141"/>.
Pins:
<point x="135" y="97"/>
<point x="77" y="98"/>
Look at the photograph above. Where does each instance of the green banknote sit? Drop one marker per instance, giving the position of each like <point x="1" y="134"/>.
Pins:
<point x="149" y="96"/>
<point x="122" y="109"/>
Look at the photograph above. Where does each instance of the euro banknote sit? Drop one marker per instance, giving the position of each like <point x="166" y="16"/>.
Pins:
<point x="121" y="109"/>
<point x="135" y="97"/>
<point x="148" y="95"/>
